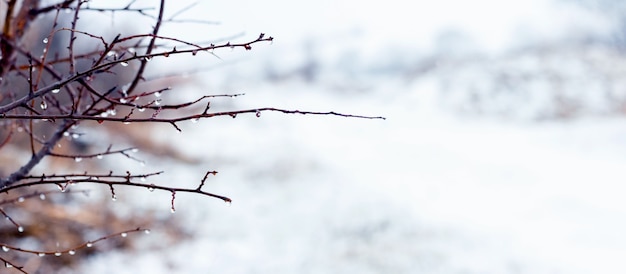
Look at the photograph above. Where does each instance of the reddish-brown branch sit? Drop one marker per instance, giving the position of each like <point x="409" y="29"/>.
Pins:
<point x="73" y="250"/>
<point x="109" y="180"/>
<point x="37" y="157"/>
<point x="183" y="118"/>
<point x="144" y="62"/>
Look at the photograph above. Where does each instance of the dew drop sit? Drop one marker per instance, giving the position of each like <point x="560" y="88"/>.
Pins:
<point x="194" y="52"/>
<point x="157" y="94"/>
<point x="141" y="109"/>
<point x="143" y="179"/>
<point x="78" y="159"/>
<point x="114" y="198"/>
<point x="147" y="58"/>
<point x="8" y="265"/>
<point x="111" y="53"/>
<point x="147" y="231"/>
<point x="229" y="203"/>
<point x="151" y="188"/>
<point x="233" y="115"/>
<point x="124" y="64"/>
<point x="20" y="229"/>
<point x="71" y="252"/>
<point x="258" y="114"/>
<point x="157" y="102"/>
<point x="45" y="40"/>
<point x="56" y="90"/>
<point x="66" y="134"/>
<point x="42" y="196"/>
<point x="41" y="254"/>
<point x="99" y="156"/>
<point x="43" y="105"/>
<point x="57" y="254"/>
<point x="126" y="123"/>
<point x="20" y="199"/>
<point x="124" y="234"/>
<point x="194" y="120"/>
<point x="75" y="135"/>
<point x="89" y="244"/>
<point x="5" y="248"/>
<point x="123" y="100"/>
<point x="135" y="150"/>
<point x="172" y="210"/>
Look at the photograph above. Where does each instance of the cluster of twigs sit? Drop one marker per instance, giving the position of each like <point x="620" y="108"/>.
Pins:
<point x="44" y="98"/>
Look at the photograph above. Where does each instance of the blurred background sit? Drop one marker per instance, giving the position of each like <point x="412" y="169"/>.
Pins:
<point x="502" y="152"/>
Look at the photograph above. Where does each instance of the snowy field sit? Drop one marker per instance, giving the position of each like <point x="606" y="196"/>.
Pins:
<point x="432" y="189"/>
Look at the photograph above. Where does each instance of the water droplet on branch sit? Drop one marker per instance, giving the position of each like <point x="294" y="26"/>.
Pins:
<point x="43" y="105"/>
<point x="124" y="64"/>
<point x="41" y="254"/>
<point x="45" y="40"/>
<point x="56" y="90"/>
<point x="57" y="254"/>
<point x="89" y="244"/>
<point x="71" y="252"/>
<point x="124" y="234"/>
<point x="20" y="229"/>
<point x="78" y="159"/>
<point x="5" y="248"/>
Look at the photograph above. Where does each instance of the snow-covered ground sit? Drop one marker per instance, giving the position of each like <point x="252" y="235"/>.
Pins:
<point x="429" y="190"/>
